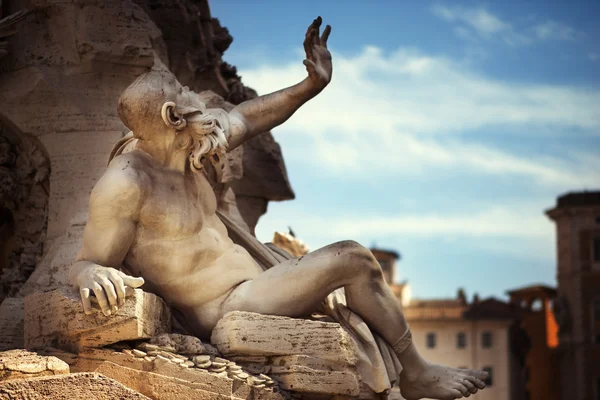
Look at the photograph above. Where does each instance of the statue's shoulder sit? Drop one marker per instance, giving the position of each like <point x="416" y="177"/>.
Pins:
<point x="127" y="174"/>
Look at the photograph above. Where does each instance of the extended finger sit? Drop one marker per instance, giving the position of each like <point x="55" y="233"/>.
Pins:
<point x="308" y="44"/>
<point x="119" y="285"/>
<point x="325" y="35"/>
<point x="111" y="294"/>
<point x="85" y="300"/>
<point x="131" y="281"/>
<point x="317" y="29"/>
<point x="101" y="297"/>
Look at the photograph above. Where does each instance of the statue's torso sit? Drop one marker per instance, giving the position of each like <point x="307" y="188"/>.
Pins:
<point x="181" y="248"/>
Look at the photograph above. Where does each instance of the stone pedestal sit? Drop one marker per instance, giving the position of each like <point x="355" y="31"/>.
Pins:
<point x="308" y="357"/>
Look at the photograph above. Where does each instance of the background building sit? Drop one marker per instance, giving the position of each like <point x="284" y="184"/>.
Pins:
<point x="467" y="335"/>
<point x="540" y="363"/>
<point x="577" y="218"/>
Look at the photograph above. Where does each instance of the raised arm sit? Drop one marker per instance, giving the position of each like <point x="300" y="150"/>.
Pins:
<point x="264" y="113"/>
<point x="113" y="209"/>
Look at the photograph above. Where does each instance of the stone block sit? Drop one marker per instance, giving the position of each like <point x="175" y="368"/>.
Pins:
<point x="11" y="323"/>
<point x="250" y="334"/>
<point x="92" y="360"/>
<point x="89" y="386"/>
<point x="57" y="319"/>
<point x="19" y="364"/>
<point x="307" y="380"/>
<point x="158" y="386"/>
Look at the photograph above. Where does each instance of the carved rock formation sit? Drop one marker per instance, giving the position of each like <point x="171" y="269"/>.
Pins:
<point x="61" y="75"/>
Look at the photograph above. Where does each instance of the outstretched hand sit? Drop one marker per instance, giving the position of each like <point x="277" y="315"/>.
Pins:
<point x="318" y="57"/>
<point x="108" y="285"/>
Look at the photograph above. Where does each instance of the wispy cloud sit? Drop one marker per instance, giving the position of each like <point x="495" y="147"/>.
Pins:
<point x="552" y="30"/>
<point x="472" y="23"/>
<point x="593" y="56"/>
<point x="407" y="112"/>
<point x="479" y="19"/>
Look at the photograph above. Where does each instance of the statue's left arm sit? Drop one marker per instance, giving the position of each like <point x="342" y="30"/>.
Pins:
<point x="264" y="113"/>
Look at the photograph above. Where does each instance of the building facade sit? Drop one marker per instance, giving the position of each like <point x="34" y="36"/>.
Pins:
<point x="458" y="334"/>
<point x="540" y="378"/>
<point x="577" y="307"/>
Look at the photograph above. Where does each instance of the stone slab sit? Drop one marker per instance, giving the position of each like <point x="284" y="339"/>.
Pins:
<point x="11" y="323"/>
<point x="158" y="386"/>
<point x="91" y="360"/>
<point x="251" y="334"/>
<point x="19" y="364"/>
<point x="89" y="386"/>
<point x="57" y="319"/>
<point x="307" y="380"/>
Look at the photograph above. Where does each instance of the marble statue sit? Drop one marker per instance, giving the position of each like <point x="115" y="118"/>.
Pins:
<point x="154" y="214"/>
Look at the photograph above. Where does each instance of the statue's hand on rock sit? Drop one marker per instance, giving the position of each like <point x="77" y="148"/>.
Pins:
<point x="318" y="58"/>
<point x="110" y="287"/>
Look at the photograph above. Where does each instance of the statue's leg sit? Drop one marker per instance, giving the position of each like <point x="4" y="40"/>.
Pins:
<point x="295" y="288"/>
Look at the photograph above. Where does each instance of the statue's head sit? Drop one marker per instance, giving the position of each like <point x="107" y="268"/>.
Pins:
<point x="156" y="107"/>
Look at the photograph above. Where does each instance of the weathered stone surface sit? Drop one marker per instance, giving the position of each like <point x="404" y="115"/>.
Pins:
<point x="251" y="334"/>
<point x="11" y="324"/>
<point x="308" y="380"/>
<point x="52" y="272"/>
<point x="56" y="319"/>
<point x="18" y="364"/>
<point x="94" y="359"/>
<point x="89" y="386"/>
<point x="159" y="386"/>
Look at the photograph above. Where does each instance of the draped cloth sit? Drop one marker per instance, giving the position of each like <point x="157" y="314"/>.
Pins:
<point x="377" y="365"/>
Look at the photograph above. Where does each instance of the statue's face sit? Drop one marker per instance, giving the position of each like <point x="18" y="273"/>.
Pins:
<point x="202" y="130"/>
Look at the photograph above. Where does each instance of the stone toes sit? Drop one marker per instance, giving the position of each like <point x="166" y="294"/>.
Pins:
<point x="469" y="385"/>
<point x="477" y="382"/>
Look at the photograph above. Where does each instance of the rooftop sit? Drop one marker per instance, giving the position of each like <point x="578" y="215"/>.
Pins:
<point x="579" y="199"/>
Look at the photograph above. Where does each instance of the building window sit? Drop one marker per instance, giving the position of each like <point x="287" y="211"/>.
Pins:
<point x="431" y="340"/>
<point x="461" y="340"/>
<point x="490" y="379"/>
<point x="486" y="340"/>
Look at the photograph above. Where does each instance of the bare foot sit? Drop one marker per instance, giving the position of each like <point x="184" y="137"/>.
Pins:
<point x="439" y="382"/>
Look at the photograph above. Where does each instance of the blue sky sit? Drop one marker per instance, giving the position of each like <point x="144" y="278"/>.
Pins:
<point x="447" y="130"/>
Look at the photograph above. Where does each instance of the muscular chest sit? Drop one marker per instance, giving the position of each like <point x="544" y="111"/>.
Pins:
<point x="177" y="206"/>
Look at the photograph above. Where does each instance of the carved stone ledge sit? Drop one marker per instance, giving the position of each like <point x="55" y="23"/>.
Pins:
<point x="304" y="356"/>
<point x="56" y="319"/>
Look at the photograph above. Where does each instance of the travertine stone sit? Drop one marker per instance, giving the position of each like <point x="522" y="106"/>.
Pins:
<point x="159" y="386"/>
<point x="18" y="364"/>
<point x="308" y="380"/>
<point x="56" y="319"/>
<point x="89" y="386"/>
<point x="11" y="323"/>
<point x="251" y="334"/>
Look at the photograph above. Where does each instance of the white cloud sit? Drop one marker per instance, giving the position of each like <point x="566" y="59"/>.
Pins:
<point x="473" y="22"/>
<point x="519" y="222"/>
<point x="406" y="112"/>
<point x="593" y="56"/>
<point x="552" y="30"/>
<point x="479" y="19"/>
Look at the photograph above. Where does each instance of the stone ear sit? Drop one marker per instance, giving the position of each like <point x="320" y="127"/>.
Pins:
<point x="170" y="116"/>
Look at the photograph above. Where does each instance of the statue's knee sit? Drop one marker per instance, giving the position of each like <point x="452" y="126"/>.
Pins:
<point x="358" y="260"/>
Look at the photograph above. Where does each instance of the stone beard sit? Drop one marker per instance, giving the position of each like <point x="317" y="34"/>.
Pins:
<point x="204" y="137"/>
